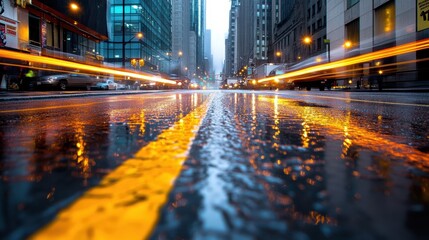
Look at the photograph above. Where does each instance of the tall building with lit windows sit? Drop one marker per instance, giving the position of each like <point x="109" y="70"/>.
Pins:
<point x="127" y="18"/>
<point x="299" y="31"/>
<point x="356" y="27"/>
<point x="250" y="35"/>
<point x="230" y="68"/>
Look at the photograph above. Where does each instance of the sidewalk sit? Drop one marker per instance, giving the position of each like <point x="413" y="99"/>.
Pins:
<point x="31" y="95"/>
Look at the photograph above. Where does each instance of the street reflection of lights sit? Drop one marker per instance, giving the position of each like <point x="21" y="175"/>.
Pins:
<point x="276" y="127"/>
<point x="253" y="107"/>
<point x="82" y="159"/>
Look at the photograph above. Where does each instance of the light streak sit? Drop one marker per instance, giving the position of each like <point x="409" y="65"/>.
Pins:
<point x="7" y="54"/>
<point x="385" y="53"/>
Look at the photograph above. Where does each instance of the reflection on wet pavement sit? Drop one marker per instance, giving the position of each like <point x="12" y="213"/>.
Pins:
<point x="50" y="158"/>
<point x="272" y="167"/>
<point x="261" y="166"/>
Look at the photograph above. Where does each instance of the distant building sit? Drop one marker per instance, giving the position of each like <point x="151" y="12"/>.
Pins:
<point x="230" y="68"/>
<point x="181" y="35"/>
<point x="253" y="34"/>
<point x="198" y="27"/>
<point x="188" y="30"/>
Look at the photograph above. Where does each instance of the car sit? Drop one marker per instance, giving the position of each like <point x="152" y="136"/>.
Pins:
<point x="106" y="84"/>
<point x="66" y="81"/>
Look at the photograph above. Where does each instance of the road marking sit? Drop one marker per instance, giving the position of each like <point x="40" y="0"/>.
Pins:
<point x="126" y="203"/>
<point x="368" y="101"/>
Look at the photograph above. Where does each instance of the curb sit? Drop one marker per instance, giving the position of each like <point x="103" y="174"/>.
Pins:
<point x="70" y="95"/>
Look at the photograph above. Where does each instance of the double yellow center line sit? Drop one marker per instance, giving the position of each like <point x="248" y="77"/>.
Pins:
<point x="126" y="203"/>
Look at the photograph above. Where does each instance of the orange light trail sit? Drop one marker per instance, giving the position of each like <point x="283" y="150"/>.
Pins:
<point x="74" y="65"/>
<point x="388" y="52"/>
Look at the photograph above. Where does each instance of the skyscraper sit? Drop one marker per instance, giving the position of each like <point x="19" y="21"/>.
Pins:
<point x="188" y="27"/>
<point x="230" y="48"/>
<point x="181" y="31"/>
<point x="198" y="26"/>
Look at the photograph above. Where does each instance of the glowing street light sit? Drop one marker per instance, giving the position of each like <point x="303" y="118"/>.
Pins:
<point x="139" y="35"/>
<point x="74" y="6"/>
<point x="348" y="44"/>
<point x="307" y="40"/>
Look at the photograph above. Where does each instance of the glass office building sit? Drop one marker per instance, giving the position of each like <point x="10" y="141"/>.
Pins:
<point x="128" y="18"/>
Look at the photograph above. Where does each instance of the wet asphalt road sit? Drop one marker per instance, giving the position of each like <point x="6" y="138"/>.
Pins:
<point x="279" y="165"/>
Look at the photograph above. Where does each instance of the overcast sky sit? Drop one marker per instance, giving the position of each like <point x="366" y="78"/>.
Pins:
<point x="217" y="12"/>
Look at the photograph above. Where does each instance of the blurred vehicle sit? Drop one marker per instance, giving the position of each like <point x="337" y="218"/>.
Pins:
<point x="106" y="84"/>
<point x="66" y="81"/>
<point x="195" y="85"/>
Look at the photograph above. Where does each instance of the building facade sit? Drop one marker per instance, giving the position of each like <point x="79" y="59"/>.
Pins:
<point x="300" y="32"/>
<point x="370" y="26"/>
<point x="181" y="34"/>
<point x="250" y="35"/>
<point x="198" y="26"/>
<point x="128" y="18"/>
<point x="53" y="28"/>
<point x="188" y="34"/>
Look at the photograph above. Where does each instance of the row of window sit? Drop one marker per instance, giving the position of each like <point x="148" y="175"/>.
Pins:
<point x="311" y="12"/>
<point x="316" y="27"/>
<point x="48" y="35"/>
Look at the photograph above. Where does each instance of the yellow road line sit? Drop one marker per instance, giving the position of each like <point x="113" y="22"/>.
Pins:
<point x="126" y="203"/>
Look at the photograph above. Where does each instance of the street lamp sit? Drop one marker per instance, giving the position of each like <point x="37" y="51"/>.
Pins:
<point x="180" y="54"/>
<point x="139" y="36"/>
<point x="74" y="7"/>
<point x="348" y="44"/>
<point x="307" y="40"/>
<point x="328" y="46"/>
<point x="278" y="56"/>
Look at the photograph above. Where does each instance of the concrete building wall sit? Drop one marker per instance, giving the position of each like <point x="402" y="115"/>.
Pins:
<point x="365" y="12"/>
<point x="335" y="28"/>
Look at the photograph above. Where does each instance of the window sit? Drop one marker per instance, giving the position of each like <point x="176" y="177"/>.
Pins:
<point x="319" y="6"/>
<point x="34" y="30"/>
<point x="384" y="22"/>
<point x="319" y="23"/>
<point x="351" y="3"/>
<point x="353" y="33"/>
<point x="319" y="44"/>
